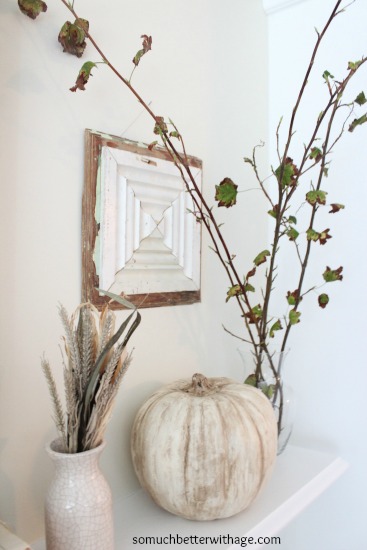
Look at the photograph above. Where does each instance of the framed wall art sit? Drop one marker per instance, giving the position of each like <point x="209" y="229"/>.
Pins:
<point x="140" y="238"/>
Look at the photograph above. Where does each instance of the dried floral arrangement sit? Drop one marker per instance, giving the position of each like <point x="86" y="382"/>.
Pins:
<point x="285" y="188"/>
<point x="95" y="363"/>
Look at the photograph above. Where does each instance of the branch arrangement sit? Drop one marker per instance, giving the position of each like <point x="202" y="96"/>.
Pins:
<point x="286" y="183"/>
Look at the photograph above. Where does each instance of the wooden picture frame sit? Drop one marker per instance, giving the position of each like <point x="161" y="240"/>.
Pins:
<point x="140" y="238"/>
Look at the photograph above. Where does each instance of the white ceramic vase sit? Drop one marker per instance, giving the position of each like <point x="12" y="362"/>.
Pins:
<point x="78" y="507"/>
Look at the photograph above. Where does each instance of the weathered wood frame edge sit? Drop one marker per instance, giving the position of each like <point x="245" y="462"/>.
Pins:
<point x="93" y="143"/>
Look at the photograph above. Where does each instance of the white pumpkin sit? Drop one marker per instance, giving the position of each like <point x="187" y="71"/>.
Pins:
<point x="204" y="448"/>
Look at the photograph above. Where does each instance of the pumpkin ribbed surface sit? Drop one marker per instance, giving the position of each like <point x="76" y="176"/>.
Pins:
<point x="203" y="450"/>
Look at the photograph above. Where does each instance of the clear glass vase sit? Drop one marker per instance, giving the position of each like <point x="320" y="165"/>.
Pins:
<point x="268" y="373"/>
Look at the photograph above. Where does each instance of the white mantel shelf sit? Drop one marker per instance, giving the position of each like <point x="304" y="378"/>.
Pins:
<point x="300" y="476"/>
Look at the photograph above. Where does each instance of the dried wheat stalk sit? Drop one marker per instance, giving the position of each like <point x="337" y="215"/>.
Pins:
<point x="94" y="365"/>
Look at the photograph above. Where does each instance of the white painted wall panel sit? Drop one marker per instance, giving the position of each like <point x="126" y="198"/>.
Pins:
<point x="207" y="71"/>
<point x="327" y="365"/>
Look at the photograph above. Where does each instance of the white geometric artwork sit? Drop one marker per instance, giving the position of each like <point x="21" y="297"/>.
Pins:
<point x="148" y="239"/>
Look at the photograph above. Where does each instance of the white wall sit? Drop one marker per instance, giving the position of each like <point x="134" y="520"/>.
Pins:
<point x="207" y="71"/>
<point x="328" y="364"/>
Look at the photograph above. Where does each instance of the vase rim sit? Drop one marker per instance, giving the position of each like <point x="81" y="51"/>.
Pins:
<point x="271" y="352"/>
<point x="51" y="449"/>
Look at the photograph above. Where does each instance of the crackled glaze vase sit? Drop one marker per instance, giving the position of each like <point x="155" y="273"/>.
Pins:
<point x="78" y="507"/>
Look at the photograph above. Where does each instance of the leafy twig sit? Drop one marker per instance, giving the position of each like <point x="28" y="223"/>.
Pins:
<point x="257" y="318"/>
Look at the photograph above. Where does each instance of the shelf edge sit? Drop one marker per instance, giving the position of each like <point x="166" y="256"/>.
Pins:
<point x="292" y="507"/>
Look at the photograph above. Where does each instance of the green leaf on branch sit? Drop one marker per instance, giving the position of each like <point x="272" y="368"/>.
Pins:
<point x="294" y="316"/>
<point x="292" y="219"/>
<point x="83" y="76"/>
<point x="160" y="126"/>
<point x="257" y="311"/>
<point x="276" y="326"/>
<point x="147" y="45"/>
<point x="248" y="161"/>
<point x="287" y="172"/>
<point x="226" y="193"/>
<point x="268" y="390"/>
<point x="323" y="300"/>
<point x="175" y="134"/>
<point x="360" y="99"/>
<point x="353" y="65"/>
<point x="312" y="235"/>
<point x="261" y="258"/>
<point x="72" y="36"/>
<point x="335" y="207"/>
<point x="251" y="380"/>
<point x="255" y="314"/>
<point x="322" y="237"/>
<point x="137" y="57"/>
<point x="331" y="275"/>
<point x="249" y="288"/>
<point x="292" y="234"/>
<point x="316" y="154"/>
<point x="326" y="75"/>
<point x="316" y="196"/>
<point x="293" y="297"/>
<point x="32" y="8"/>
<point x="273" y="213"/>
<point x="357" y="122"/>
<point x="234" y="290"/>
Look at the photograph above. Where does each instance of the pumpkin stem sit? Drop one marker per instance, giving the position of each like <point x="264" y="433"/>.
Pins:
<point x="200" y="385"/>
